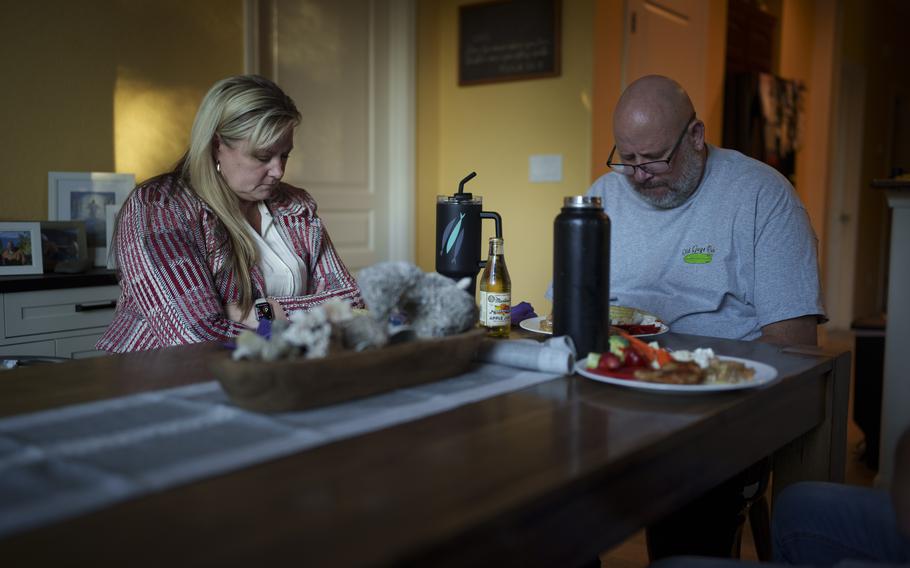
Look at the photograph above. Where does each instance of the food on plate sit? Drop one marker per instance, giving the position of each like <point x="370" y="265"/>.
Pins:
<point x="636" y="329"/>
<point x="634" y="321"/>
<point x="631" y="358"/>
<point x="652" y="353"/>
<point x="627" y="352"/>
<point x="674" y="373"/>
<point x="630" y="320"/>
<point x="723" y="372"/>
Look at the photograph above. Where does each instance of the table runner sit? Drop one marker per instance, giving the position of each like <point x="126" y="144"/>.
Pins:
<point x="64" y="462"/>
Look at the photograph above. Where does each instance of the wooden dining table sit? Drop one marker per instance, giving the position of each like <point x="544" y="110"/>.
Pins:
<point x="549" y="475"/>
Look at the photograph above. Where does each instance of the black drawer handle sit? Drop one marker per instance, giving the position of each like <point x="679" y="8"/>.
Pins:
<point x="110" y="304"/>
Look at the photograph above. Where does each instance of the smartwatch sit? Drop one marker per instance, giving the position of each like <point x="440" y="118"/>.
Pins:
<point x="263" y="309"/>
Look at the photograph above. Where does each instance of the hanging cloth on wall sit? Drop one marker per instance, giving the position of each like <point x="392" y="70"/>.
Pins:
<point x="762" y="118"/>
<point x="743" y="117"/>
<point x="781" y="101"/>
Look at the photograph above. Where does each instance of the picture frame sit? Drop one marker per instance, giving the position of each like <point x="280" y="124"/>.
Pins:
<point x="20" y="244"/>
<point x="504" y="40"/>
<point x="82" y="196"/>
<point x="110" y="220"/>
<point x="63" y="241"/>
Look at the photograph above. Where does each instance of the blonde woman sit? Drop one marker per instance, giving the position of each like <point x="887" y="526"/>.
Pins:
<point x="206" y="250"/>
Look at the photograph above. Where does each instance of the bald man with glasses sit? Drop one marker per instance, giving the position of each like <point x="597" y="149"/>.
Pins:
<point x="715" y="243"/>
<point x="712" y="241"/>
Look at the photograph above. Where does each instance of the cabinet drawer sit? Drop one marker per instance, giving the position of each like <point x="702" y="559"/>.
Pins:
<point x="47" y="311"/>
<point x="79" y="347"/>
<point x="33" y="349"/>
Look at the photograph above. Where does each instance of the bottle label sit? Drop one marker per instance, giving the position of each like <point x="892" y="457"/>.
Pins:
<point x="495" y="309"/>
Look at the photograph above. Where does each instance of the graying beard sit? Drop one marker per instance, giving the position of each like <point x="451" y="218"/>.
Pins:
<point x="682" y="190"/>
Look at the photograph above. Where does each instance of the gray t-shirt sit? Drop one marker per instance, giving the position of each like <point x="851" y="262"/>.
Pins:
<point x="738" y="255"/>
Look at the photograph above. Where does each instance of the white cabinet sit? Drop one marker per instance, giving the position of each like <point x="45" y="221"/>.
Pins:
<point x="29" y="349"/>
<point x="78" y="347"/>
<point x="63" y="322"/>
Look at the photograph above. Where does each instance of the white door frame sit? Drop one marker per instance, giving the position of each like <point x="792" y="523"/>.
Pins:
<point x="843" y="200"/>
<point x="402" y="88"/>
<point x="399" y="85"/>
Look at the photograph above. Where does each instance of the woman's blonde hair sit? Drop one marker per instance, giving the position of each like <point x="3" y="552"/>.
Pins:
<point x="243" y="107"/>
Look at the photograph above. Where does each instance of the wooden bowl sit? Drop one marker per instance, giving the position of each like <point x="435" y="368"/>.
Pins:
<point x="296" y="384"/>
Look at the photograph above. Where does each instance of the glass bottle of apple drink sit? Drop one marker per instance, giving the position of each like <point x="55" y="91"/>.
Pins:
<point x="496" y="293"/>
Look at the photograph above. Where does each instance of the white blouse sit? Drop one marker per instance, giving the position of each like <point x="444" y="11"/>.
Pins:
<point x="285" y="273"/>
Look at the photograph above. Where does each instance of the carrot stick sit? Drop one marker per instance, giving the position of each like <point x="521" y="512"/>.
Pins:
<point x="651" y="354"/>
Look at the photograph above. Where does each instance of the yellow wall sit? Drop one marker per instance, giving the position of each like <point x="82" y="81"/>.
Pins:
<point x="608" y="42"/>
<point x="105" y="86"/>
<point x="715" y="68"/>
<point x="809" y="40"/>
<point x="493" y="129"/>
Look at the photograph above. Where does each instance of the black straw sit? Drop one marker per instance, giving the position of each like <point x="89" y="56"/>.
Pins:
<point x="466" y="179"/>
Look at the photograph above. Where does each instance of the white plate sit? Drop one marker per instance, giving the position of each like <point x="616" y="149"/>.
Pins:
<point x="764" y="374"/>
<point x="533" y="324"/>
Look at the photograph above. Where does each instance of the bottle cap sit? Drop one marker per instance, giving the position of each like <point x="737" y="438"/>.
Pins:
<point x="582" y="202"/>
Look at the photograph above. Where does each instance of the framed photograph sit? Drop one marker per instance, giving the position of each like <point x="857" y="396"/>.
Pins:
<point x="20" y="248"/>
<point x="110" y="221"/>
<point x="83" y="196"/>
<point x="62" y="241"/>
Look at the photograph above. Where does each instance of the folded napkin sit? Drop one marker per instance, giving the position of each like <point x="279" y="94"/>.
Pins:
<point x="522" y="311"/>
<point x="556" y="355"/>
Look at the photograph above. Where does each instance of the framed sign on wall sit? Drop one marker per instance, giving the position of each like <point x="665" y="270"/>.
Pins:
<point x="508" y="40"/>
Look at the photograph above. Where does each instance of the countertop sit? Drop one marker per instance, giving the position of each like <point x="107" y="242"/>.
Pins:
<point x="54" y="281"/>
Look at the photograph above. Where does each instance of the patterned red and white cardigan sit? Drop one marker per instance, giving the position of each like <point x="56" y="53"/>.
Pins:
<point x="171" y="255"/>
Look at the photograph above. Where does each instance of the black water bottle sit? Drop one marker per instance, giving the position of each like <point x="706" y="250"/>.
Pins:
<point x="581" y="274"/>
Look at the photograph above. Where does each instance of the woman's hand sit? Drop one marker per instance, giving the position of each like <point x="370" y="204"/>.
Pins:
<point x="279" y="312"/>
<point x="234" y="313"/>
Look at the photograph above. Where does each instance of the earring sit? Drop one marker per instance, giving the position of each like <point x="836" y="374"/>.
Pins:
<point x="218" y="167"/>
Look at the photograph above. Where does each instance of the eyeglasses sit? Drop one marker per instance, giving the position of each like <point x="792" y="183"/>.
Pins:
<point x="653" y="168"/>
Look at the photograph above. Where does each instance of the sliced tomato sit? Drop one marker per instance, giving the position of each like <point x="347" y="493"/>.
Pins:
<point x="633" y="359"/>
<point x="609" y="361"/>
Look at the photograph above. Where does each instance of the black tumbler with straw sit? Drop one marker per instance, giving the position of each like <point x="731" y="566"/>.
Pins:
<point x="458" y="232"/>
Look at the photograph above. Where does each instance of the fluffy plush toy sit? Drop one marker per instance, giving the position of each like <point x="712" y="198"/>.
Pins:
<point x="434" y="305"/>
<point x="383" y="284"/>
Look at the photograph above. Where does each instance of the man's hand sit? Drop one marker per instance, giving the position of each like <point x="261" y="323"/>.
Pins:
<point x="797" y="331"/>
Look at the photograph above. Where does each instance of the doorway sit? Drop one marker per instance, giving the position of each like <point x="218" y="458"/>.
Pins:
<point x="349" y="66"/>
<point x="668" y="37"/>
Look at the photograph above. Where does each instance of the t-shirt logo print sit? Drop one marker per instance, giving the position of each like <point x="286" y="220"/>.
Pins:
<point x="698" y="254"/>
